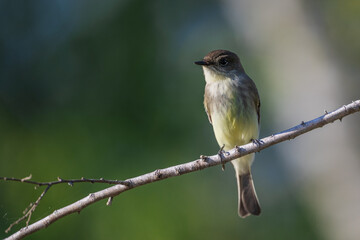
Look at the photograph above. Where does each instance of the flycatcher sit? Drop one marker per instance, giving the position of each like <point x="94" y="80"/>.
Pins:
<point x="232" y="104"/>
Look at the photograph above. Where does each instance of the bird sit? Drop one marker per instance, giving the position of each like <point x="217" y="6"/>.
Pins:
<point x="232" y="104"/>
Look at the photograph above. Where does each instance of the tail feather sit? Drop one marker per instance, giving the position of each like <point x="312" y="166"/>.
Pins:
<point x="248" y="201"/>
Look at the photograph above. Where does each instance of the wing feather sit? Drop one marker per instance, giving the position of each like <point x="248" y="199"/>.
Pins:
<point x="206" y="106"/>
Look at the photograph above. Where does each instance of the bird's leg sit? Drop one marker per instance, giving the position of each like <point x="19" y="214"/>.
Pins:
<point x="220" y="153"/>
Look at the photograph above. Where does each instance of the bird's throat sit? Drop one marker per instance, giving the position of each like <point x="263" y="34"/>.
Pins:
<point x="212" y="76"/>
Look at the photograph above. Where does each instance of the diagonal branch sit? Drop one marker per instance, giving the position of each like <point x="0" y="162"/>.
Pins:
<point x="203" y="162"/>
<point x="29" y="210"/>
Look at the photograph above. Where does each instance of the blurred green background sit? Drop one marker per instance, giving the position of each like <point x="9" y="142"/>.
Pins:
<point x="90" y="89"/>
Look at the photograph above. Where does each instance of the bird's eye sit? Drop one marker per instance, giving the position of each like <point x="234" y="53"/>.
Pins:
<point x="223" y="62"/>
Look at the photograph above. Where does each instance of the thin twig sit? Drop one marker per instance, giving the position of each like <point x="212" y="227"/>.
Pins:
<point x="196" y="165"/>
<point x="27" y="213"/>
<point x="60" y="180"/>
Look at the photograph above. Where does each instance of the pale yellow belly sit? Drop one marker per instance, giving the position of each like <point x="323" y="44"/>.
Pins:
<point x="235" y="132"/>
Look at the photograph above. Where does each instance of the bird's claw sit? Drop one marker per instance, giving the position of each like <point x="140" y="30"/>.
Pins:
<point x="257" y="142"/>
<point x="220" y="153"/>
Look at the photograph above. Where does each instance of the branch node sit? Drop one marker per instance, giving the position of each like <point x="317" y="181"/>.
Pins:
<point x="92" y="195"/>
<point x="125" y="183"/>
<point x="239" y="149"/>
<point x="128" y="183"/>
<point x="302" y="123"/>
<point x="158" y="173"/>
<point x="204" y="158"/>
<point x="26" y="209"/>
<point x="178" y="171"/>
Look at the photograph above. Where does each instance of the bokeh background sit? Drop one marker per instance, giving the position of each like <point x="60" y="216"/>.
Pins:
<point x="90" y="89"/>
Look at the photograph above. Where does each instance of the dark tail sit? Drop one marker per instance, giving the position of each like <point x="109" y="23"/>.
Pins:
<point x="248" y="201"/>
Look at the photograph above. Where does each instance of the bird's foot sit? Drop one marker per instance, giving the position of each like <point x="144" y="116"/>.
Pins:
<point x="257" y="142"/>
<point x="221" y="155"/>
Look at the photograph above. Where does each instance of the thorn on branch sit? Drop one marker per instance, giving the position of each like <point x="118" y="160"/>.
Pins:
<point x="109" y="201"/>
<point x="204" y="158"/>
<point x="25" y="178"/>
<point x="239" y="149"/>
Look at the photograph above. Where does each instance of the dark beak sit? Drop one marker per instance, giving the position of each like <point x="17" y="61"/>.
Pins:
<point x="202" y="63"/>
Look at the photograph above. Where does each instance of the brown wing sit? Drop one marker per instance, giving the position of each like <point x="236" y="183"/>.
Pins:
<point x="206" y="106"/>
<point x="257" y="104"/>
<point x="250" y="86"/>
<point x="208" y="114"/>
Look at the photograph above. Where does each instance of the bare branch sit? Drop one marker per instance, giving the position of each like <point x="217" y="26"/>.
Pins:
<point x="28" y="213"/>
<point x="203" y="162"/>
<point x="60" y="180"/>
